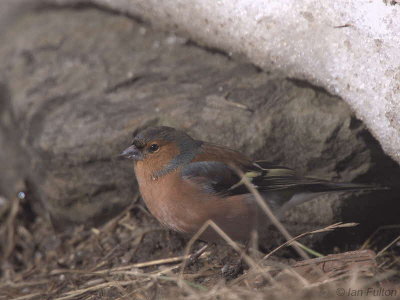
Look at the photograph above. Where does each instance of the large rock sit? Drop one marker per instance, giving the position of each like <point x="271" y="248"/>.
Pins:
<point x="13" y="160"/>
<point x="83" y="80"/>
<point x="351" y="48"/>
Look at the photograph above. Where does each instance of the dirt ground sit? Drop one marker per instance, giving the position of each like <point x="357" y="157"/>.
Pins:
<point x="132" y="257"/>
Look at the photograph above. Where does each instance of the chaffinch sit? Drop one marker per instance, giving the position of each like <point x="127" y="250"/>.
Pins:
<point x="185" y="182"/>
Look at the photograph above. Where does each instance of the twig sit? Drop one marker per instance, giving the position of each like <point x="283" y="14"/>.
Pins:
<point x="388" y="246"/>
<point x="380" y="277"/>
<point x="229" y="241"/>
<point x="10" y="229"/>
<point x="367" y="242"/>
<point x="328" y="228"/>
<point x="23" y="284"/>
<point x="267" y="210"/>
<point x="75" y="293"/>
<point x="132" y="266"/>
<point x="308" y="250"/>
<point x="395" y="261"/>
<point x="160" y="261"/>
<point x="29" y="296"/>
<point x="235" y="104"/>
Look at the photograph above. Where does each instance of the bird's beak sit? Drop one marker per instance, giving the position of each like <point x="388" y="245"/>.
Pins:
<point x="132" y="152"/>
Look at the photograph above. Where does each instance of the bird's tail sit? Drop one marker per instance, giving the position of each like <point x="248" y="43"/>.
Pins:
<point x="310" y="191"/>
<point x="327" y="186"/>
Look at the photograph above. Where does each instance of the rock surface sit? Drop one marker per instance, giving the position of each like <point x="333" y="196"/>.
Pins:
<point x="348" y="47"/>
<point x="82" y="81"/>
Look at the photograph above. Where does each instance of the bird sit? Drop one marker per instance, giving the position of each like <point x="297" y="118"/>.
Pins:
<point x="185" y="182"/>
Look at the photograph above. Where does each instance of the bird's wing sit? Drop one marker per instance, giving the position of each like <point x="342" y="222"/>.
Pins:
<point x="213" y="176"/>
<point x="212" y="169"/>
<point x="217" y="170"/>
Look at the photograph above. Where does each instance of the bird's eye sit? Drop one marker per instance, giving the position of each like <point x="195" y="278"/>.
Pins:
<point x="154" y="148"/>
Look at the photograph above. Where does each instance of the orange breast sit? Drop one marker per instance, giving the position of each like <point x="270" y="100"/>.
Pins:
<point x="185" y="207"/>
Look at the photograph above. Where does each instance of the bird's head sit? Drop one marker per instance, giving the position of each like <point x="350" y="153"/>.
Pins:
<point x="163" y="148"/>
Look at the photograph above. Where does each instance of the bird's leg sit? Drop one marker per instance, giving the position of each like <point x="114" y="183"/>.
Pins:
<point x="232" y="270"/>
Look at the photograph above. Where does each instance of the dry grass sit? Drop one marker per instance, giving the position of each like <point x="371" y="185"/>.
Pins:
<point x="131" y="258"/>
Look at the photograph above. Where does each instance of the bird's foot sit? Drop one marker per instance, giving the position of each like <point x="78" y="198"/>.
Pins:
<point x="232" y="270"/>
